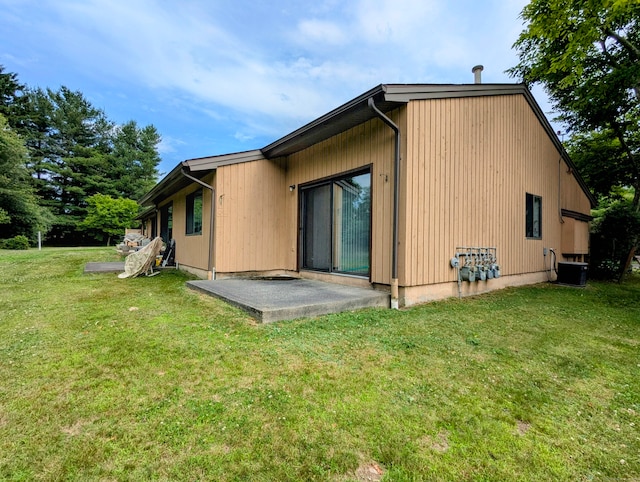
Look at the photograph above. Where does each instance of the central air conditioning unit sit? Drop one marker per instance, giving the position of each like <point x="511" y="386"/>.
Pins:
<point x="572" y="274"/>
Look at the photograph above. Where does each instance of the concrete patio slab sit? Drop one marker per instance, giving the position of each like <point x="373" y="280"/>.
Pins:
<point x="286" y="299"/>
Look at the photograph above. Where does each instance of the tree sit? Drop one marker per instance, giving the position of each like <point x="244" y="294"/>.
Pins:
<point x="601" y="161"/>
<point x="69" y="156"/>
<point x="20" y="213"/>
<point x="75" y="152"/>
<point x="615" y="234"/>
<point x="108" y="217"/>
<point x="135" y="159"/>
<point x="586" y="53"/>
<point x="12" y="98"/>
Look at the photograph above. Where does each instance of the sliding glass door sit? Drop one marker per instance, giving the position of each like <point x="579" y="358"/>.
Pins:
<point x="336" y="225"/>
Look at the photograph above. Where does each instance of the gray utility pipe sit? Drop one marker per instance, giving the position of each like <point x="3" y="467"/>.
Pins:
<point x="396" y="190"/>
<point x="213" y="205"/>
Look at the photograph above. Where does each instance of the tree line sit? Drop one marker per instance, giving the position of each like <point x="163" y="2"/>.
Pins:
<point x="62" y="162"/>
<point x="586" y="53"/>
<point x="58" y="152"/>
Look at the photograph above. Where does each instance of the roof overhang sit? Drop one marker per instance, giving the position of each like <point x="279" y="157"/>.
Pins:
<point x="387" y="97"/>
<point x="391" y="96"/>
<point x="355" y="112"/>
<point x="213" y="162"/>
<point x="146" y="213"/>
<point x="199" y="168"/>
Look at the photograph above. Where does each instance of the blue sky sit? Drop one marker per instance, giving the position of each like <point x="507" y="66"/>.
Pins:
<point x="222" y="76"/>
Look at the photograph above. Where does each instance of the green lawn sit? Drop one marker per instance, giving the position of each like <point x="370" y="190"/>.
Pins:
<point x="143" y="379"/>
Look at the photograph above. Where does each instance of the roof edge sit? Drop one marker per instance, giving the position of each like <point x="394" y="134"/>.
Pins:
<point x="173" y="176"/>
<point x="558" y="143"/>
<point x="389" y="94"/>
<point x="200" y="165"/>
<point x="213" y="162"/>
<point x="322" y="120"/>
<point x="408" y="92"/>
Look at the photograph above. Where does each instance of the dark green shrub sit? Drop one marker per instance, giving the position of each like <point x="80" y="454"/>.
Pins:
<point x="613" y="236"/>
<point x="18" y="242"/>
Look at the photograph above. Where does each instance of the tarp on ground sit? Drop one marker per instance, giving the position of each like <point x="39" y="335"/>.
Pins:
<point x="141" y="261"/>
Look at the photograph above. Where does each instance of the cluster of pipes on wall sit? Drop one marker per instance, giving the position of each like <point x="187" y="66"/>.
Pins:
<point x="475" y="264"/>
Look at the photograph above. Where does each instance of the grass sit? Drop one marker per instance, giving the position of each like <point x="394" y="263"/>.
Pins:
<point x="142" y="379"/>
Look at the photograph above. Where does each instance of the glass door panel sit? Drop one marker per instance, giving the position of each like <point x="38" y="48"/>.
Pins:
<point x="336" y="225"/>
<point x="352" y="225"/>
<point x="317" y="228"/>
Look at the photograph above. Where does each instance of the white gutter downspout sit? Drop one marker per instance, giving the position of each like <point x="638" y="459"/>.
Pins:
<point x="210" y="275"/>
<point x="396" y="190"/>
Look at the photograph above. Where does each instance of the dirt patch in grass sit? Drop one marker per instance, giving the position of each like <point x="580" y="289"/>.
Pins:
<point x="522" y="427"/>
<point x="369" y="472"/>
<point x="438" y="443"/>
<point x="76" y="428"/>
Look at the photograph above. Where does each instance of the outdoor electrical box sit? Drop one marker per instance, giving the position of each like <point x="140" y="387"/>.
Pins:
<point x="574" y="274"/>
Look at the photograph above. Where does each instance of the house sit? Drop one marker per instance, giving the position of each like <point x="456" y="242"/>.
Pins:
<point x="383" y="192"/>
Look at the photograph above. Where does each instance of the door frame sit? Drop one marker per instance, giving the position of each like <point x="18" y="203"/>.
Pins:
<point x="366" y="169"/>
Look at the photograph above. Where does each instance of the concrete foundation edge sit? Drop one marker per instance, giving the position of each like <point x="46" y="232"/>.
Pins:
<point x="414" y="295"/>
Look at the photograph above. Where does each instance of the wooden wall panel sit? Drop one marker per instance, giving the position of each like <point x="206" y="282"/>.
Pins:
<point x="575" y="237"/>
<point x="371" y="143"/>
<point x="572" y="196"/>
<point x="469" y="164"/>
<point x="192" y="250"/>
<point x="251" y="217"/>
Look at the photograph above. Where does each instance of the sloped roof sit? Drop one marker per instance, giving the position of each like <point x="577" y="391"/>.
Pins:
<point x="387" y="97"/>
<point x="199" y="167"/>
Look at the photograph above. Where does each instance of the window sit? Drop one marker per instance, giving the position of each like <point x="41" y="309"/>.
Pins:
<point x="194" y="212"/>
<point x="166" y="222"/>
<point x="534" y="216"/>
<point x="336" y="225"/>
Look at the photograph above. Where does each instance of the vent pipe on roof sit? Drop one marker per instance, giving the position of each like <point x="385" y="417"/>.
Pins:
<point x="477" y="74"/>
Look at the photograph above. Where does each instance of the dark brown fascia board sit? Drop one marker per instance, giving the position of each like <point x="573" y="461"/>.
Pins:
<point x="211" y="163"/>
<point x="407" y="92"/>
<point x="175" y="180"/>
<point x="146" y="213"/>
<point x="294" y="141"/>
<point x="576" y="215"/>
<point x="390" y="96"/>
<point x="393" y="95"/>
<point x="163" y="186"/>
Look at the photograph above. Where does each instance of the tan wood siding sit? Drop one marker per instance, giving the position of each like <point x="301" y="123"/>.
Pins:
<point x="469" y="164"/>
<point x="575" y="233"/>
<point x="191" y="250"/>
<point x="371" y="143"/>
<point x="575" y="237"/>
<point x="572" y="197"/>
<point x="250" y="217"/>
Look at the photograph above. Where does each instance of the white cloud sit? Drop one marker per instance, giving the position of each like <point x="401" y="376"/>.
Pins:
<point x="243" y="137"/>
<point x="324" y="32"/>
<point x="170" y="145"/>
<point x="395" y="21"/>
<point x="185" y="50"/>
<point x="260" y="68"/>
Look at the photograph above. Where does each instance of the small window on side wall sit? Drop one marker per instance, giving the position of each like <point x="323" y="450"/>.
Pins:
<point x="194" y="213"/>
<point x="534" y="216"/>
